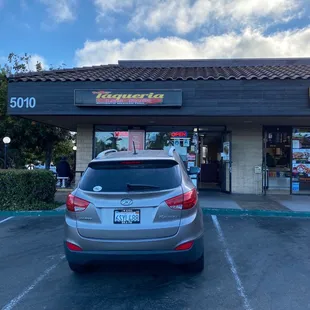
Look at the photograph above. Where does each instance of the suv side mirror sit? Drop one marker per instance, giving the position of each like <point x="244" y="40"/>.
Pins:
<point x="194" y="170"/>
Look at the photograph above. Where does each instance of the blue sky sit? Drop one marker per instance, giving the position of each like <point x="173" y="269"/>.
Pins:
<point x="93" y="32"/>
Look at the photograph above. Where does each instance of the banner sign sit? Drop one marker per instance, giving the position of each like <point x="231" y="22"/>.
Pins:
<point x="138" y="137"/>
<point x="135" y="97"/>
<point x="121" y="134"/>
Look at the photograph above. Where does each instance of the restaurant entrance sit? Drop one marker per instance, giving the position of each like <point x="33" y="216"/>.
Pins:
<point x="214" y="159"/>
<point x="277" y="160"/>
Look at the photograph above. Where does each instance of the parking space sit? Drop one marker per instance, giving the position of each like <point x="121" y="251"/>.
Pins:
<point x="5" y="218"/>
<point x="251" y="263"/>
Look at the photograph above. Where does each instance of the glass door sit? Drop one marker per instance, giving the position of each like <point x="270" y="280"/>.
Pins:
<point x="265" y="170"/>
<point x="277" y="167"/>
<point x="226" y="163"/>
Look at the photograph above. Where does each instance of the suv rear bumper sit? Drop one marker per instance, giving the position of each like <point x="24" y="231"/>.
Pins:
<point x="175" y="257"/>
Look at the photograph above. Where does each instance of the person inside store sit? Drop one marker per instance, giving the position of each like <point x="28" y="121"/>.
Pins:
<point x="283" y="161"/>
<point x="270" y="161"/>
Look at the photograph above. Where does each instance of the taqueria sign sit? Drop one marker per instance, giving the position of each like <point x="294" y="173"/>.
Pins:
<point x="116" y="97"/>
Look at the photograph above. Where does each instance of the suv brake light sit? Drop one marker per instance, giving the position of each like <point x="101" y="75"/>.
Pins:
<point x="75" y="204"/>
<point x="73" y="247"/>
<point x="183" y="202"/>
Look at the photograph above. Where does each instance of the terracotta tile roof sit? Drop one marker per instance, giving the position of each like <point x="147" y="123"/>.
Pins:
<point x="172" y="71"/>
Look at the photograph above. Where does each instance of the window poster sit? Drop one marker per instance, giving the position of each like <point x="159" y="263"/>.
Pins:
<point x="226" y="151"/>
<point x="186" y="142"/>
<point x="136" y="137"/>
<point x="301" y="160"/>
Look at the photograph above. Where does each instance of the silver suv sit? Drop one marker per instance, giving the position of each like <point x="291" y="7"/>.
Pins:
<point x="134" y="205"/>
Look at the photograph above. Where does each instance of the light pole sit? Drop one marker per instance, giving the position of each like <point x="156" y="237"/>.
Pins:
<point x="6" y="141"/>
<point x="74" y="160"/>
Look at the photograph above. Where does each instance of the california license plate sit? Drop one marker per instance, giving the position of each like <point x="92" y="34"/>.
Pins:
<point x="127" y="216"/>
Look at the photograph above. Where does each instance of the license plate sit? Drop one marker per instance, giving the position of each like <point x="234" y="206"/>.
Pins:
<point x="127" y="217"/>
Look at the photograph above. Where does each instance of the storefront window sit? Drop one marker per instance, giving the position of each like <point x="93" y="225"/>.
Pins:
<point x="157" y="140"/>
<point x="122" y="138"/>
<point x="277" y="155"/>
<point x="106" y="140"/>
<point x="301" y="161"/>
<point x="182" y="140"/>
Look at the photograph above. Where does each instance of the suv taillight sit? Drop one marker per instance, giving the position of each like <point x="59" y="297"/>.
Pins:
<point x="75" y="204"/>
<point x="183" y="202"/>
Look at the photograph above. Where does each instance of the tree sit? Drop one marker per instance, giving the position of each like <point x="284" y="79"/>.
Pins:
<point x="3" y="93"/>
<point x="161" y="140"/>
<point x="29" y="139"/>
<point x="63" y="148"/>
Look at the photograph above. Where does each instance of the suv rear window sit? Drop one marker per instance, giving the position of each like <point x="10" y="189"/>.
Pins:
<point x="123" y="176"/>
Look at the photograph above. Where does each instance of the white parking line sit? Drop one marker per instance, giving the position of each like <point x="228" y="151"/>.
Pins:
<point x="231" y="263"/>
<point x="8" y="218"/>
<point x="39" y="279"/>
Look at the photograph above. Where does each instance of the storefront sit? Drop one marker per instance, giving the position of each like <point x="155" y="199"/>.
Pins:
<point x="287" y="157"/>
<point x="246" y="123"/>
<point x="208" y="148"/>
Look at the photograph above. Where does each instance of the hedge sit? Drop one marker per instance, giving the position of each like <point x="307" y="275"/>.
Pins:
<point x="27" y="189"/>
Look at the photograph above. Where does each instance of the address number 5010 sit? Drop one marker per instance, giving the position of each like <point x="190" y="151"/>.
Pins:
<point x="20" y="102"/>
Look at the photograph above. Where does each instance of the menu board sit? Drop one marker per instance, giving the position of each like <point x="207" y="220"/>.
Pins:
<point x="301" y="160"/>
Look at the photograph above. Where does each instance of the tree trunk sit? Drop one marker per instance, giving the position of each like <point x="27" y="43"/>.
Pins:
<point x="48" y="155"/>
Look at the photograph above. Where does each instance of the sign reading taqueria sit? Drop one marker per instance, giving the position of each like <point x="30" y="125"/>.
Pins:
<point x="119" y="97"/>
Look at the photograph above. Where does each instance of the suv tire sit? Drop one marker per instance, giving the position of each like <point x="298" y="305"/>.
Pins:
<point x="195" y="267"/>
<point x="78" y="268"/>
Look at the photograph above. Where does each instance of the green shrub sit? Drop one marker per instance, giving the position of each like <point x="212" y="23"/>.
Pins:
<point x="26" y="189"/>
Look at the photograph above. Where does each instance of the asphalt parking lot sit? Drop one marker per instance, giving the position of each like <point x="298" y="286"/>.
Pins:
<point x="251" y="263"/>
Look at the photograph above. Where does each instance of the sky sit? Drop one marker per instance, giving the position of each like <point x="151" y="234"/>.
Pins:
<point x="75" y="33"/>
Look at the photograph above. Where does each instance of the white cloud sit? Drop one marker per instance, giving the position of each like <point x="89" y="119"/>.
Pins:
<point x="103" y="6"/>
<point x="184" y="16"/>
<point x="35" y="58"/>
<point x="60" y="10"/>
<point x="248" y="44"/>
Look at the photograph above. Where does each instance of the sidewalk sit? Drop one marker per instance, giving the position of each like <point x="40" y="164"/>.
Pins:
<point x="285" y="203"/>
<point x="217" y="200"/>
<point x="61" y="194"/>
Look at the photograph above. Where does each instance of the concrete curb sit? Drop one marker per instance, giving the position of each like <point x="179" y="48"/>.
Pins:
<point x="261" y="213"/>
<point x="61" y="208"/>
<point x="210" y="211"/>
<point x="32" y="213"/>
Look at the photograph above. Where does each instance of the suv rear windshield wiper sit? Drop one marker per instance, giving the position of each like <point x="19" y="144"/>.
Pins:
<point x="141" y="186"/>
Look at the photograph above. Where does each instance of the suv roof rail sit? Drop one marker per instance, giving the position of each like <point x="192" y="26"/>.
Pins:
<point x="171" y="151"/>
<point x="104" y="153"/>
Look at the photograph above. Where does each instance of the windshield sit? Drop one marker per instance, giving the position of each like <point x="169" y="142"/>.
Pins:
<point x="123" y="176"/>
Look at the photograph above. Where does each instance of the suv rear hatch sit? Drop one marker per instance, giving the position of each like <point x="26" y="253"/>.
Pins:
<point x="127" y="199"/>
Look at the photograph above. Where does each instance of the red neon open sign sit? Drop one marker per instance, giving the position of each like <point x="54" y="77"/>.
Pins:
<point x="179" y="134"/>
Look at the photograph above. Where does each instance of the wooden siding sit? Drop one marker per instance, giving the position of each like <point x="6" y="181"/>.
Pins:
<point x="203" y="98"/>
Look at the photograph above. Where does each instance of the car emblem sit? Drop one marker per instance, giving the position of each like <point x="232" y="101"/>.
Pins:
<point x="126" y="202"/>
